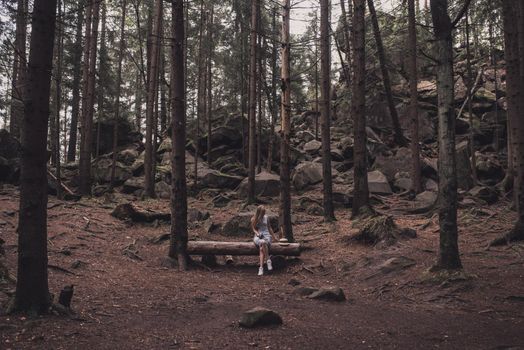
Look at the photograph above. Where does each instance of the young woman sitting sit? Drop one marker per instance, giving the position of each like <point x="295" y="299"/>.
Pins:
<point x="263" y="235"/>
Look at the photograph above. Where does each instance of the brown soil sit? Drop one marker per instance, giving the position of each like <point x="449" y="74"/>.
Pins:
<point x="126" y="303"/>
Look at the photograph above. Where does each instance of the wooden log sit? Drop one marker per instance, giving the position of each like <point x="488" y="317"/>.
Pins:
<point x="239" y="248"/>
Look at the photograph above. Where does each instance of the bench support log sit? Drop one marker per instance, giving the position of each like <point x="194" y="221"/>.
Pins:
<point x="239" y="248"/>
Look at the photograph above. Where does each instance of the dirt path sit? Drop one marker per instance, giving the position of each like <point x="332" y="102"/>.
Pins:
<point x="125" y="303"/>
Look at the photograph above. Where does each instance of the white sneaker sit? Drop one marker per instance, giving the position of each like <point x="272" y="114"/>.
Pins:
<point x="269" y="266"/>
<point x="260" y="271"/>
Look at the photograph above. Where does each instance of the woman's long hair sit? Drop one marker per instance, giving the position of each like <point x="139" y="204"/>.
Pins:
<point x="259" y="214"/>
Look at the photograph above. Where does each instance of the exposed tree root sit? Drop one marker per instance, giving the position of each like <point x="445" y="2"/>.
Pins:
<point x="516" y="234"/>
<point x="378" y="228"/>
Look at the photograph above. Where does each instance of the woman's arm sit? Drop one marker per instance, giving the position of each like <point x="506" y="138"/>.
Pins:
<point x="257" y="234"/>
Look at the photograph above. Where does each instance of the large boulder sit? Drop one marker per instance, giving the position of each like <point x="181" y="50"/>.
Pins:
<point x="10" y="152"/>
<point x="390" y="165"/>
<point x="307" y="174"/>
<point x="312" y="147"/>
<point x="102" y="171"/>
<point x="260" y="317"/>
<point x="223" y="136"/>
<point x="127" y="135"/>
<point x="266" y="184"/>
<point x="133" y="185"/>
<point x="215" y="179"/>
<point x="240" y="224"/>
<point x="9" y="146"/>
<point x="378" y="183"/>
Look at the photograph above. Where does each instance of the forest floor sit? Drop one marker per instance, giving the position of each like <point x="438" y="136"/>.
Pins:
<point x="139" y="301"/>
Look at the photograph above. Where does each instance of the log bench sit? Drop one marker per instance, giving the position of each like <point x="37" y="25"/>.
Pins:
<point x="239" y="248"/>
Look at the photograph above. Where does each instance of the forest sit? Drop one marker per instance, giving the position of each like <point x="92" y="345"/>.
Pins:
<point x="365" y="157"/>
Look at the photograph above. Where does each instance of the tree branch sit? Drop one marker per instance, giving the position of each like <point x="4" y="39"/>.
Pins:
<point x="461" y="14"/>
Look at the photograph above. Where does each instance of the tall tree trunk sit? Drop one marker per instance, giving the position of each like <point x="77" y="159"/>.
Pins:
<point x="138" y="102"/>
<point x="358" y="103"/>
<point x="178" y="243"/>
<point x="285" y="112"/>
<point x="470" y="88"/>
<point x="58" y="102"/>
<point x="32" y="290"/>
<point x="513" y="12"/>
<point x="209" y="111"/>
<point x="19" y="69"/>
<point x="150" y="148"/>
<point x="88" y="108"/>
<point x="493" y="60"/>
<point x="325" y="67"/>
<point x="416" y="179"/>
<point x="260" y="83"/>
<point x="102" y="77"/>
<point x="449" y="257"/>
<point x="347" y="36"/>
<point x="75" y="103"/>
<point x="163" y="85"/>
<point x="274" y="105"/>
<point x="201" y="93"/>
<point x="399" y="138"/>
<point x="255" y="7"/>
<point x="121" y="48"/>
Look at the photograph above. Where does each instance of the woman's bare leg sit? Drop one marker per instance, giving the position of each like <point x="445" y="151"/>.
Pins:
<point x="261" y="255"/>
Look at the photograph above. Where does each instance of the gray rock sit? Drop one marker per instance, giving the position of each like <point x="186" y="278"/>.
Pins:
<point x="305" y="291"/>
<point x="240" y="224"/>
<point x="403" y="181"/>
<point x="328" y="294"/>
<point x="342" y="200"/>
<point x="194" y="215"/>
<point x="163" y="190"/>
<point x="260" y="317"/>
<point x="378" y="183"/>
<point x="133" y="184"/>
<point x="426" y="199"/>
<point x="102" y="171"/>
<point x="431" y="185"/>
<point x="215" y="179"/>
<point x="266" y="185"/>
<point x="390" y="165"/>
<point x="307" y="174"/>
<point x="396" y="264"/>
<point x="487" y="194"/>
<point x="312" y="147"/>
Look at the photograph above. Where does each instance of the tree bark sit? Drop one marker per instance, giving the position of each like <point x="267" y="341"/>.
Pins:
<point x="121" y="48"/>
<point x="399" y="138"/>
<point x="285" y="112"/>
<point x="470" y="88"/>
<point x="32" y="290"/>
<point x="75" y="103"/>
<point x="255" y="7"/>
<point x="209" y="109"/>
<point x="19" y="70"/>
<point x="347" y="37"/>
<point x="449" y="257"/>
<point x="413" y="98"/>
<point x="150" y="149"/>
<point x="59" y="45"/>
<point x="358" y="100"/>
<point x="102" y="77"/>
<point x="178" y="242"/>
<point x="88" y="108"/>
<point x="274" y="104"/>
<point x="325" y="67"/>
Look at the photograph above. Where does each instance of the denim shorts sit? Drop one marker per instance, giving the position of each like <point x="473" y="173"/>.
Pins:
<point x="258" y="241"/>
